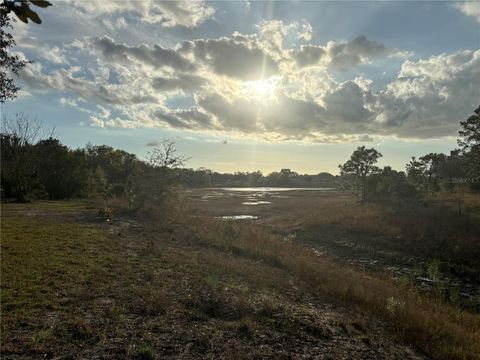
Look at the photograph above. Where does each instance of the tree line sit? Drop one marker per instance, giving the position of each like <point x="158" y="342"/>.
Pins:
<point x="36" y="165"/>
<point x="430" y="173"/>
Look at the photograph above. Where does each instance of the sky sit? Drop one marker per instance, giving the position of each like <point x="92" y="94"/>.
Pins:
<point x="244" y="86"/>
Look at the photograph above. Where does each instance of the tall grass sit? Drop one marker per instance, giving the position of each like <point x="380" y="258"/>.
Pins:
<point x="432" y="327"/>
<point x="432" y="229"/>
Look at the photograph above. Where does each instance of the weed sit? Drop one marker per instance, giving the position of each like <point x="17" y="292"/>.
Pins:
<point x="143" y="352"/>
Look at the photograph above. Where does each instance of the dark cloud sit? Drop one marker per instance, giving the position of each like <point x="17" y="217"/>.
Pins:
<point x="232" y="57"/>
<point x="309" y="55"/>
<point x="155" y="56"/>
<point x="345" y="110"/>
<point x="185" y="82"/>
<point x="239" y="114"/>
<point x="342" y="55"/>
<point x="192" y="119"/>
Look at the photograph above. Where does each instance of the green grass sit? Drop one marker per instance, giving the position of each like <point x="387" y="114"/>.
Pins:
<point x="51" y="269"/>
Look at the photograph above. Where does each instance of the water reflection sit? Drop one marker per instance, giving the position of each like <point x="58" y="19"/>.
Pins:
<point x="271" y="189"/>
<point x="255" y="202"/>
<point x="238" y="217"/>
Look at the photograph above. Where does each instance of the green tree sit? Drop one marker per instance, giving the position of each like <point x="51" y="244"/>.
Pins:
<point x="61" y="172"/>
<point x="390" y="184"/>
<point x="19" y="134"/>
<point x="10" y="65"/>
<point x="470" y="146"/>
<point x="359" y="167"/>
<point x="470" y="132"/>
<point x="152" y="185"/>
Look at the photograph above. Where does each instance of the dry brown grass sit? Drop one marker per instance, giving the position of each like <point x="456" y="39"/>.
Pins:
<point x="434" y="328"/>
<point x="69" y="286"/>
<point x="432" y="229"/>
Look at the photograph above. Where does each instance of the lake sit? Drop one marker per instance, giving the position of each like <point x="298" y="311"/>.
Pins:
<point x="251" y="203"/>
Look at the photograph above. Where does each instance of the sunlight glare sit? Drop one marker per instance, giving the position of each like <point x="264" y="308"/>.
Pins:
<point x="261" y="89"/>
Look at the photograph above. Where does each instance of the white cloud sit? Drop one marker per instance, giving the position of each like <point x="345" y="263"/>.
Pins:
<point x="430" y="96"/>
<point x="53" y="54"/>
<point x="116" y="24"/>
<point x="94" y="121"/>
<point x="141" y="86"/>
<point x="469" y="8"/>
<point x="67" y="102"/>
<point x="188" y="14"/>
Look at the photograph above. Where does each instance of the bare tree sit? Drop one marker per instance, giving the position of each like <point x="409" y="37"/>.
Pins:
<point x="18" y="134"/>
<point x="166" y="156"/>
<point x="26" y="128"/>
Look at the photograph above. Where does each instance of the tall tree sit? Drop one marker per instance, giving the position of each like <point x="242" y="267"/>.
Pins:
<point x="470" y="145"/>
<point x="360" y="166"/>
<point x="470" y="131"/>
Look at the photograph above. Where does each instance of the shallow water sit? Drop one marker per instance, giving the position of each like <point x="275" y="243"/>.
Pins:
<point x="256" y="202"/>
<point x="238" y="217"/>
<point x="272" y="189"/>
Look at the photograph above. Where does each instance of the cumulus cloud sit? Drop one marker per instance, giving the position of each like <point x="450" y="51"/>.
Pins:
<point x="53" y="54"/>
<point x="309" y="55"/>
<point x="343" y="55"/>
<point x="155" y="56"/>
<point x="262" y="84"/>
<point x="430" y="96"/>
<point x="236" y="57"/>
<point x="188" y="14"/>
<point x="184" y="82"/>
<point x="469" y="8"/>
<point x="97" y="89"/>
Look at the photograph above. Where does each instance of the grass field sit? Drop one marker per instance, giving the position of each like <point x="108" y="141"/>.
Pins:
<point x="75" y="286"/>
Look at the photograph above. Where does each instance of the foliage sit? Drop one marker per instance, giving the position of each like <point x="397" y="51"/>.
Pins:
<point x="360" y="166"/>
<point x="470" y="132"/>
<point x="470" y="146"/>
<point x="66" y="176"/>
<point x="12" y="64"/>
<point x="203" y="177"/>
<point x="105" y="213"/>
<point x="152" y="185"/>
<point x="9" y="64"/>
<point x="18" y="135"/>
<point x="429" y="174"/>
<point x="21" y="8"/>
<point x="390" y="184"/>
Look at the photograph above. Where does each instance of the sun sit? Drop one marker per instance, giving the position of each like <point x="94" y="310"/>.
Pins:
<point x="262" y="90"/>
